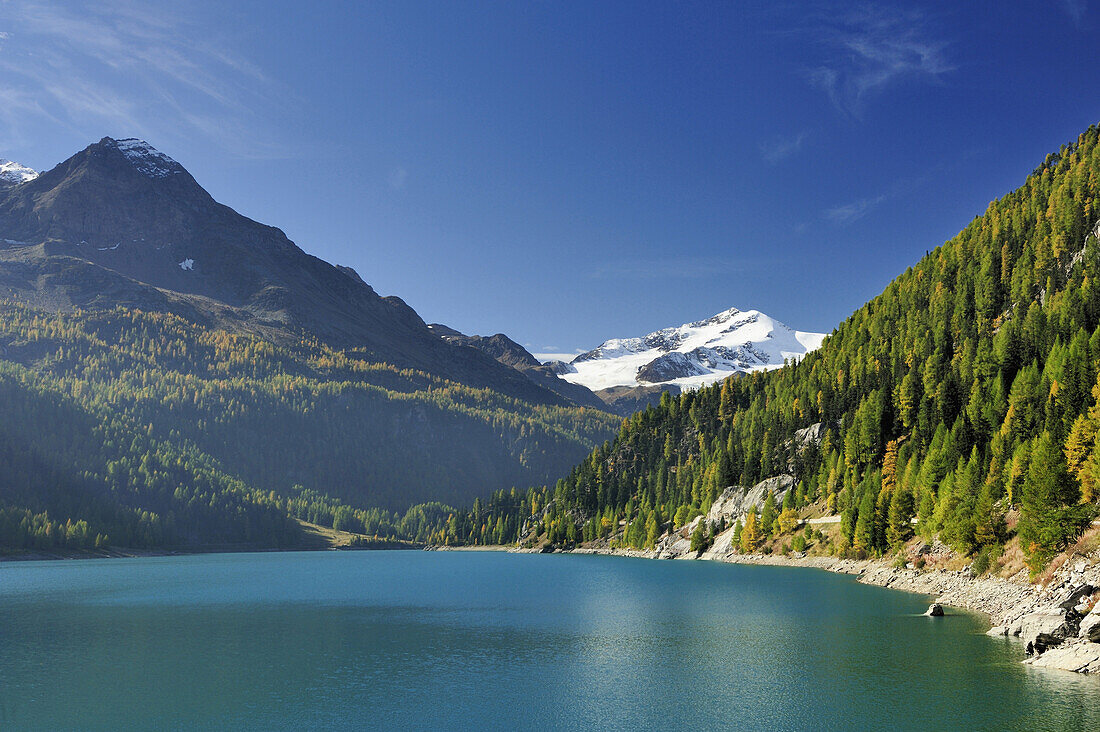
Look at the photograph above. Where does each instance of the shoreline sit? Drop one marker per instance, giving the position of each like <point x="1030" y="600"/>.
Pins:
<point x="1045" y="618"/>
<point x="987" y="596"/>
<point x="38" y="555"/>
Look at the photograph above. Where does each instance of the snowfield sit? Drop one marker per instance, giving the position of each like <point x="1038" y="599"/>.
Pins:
<point x="148" y="159"/>
<point x="694" y="354"/>
<point x="15" y="173"/>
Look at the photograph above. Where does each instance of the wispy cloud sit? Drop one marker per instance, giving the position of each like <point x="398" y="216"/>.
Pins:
<point x="781" y="148"/>
<point x="853" y="211"/>
<point x="1076" y="10"/>
<point x="871" y="48"/>
<point x="124" y="68"/>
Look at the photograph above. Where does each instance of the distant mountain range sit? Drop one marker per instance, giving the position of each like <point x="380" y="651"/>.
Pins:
<point x="630" y="372"/>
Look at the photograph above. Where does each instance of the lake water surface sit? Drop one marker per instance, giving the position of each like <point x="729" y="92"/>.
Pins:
<point x="460" y="640"/>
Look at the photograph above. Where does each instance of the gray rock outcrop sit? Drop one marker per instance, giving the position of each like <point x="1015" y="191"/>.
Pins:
<point x="736" y="501"/>
<point x="1090" y="626"/>
<point x="1044" y="629"/>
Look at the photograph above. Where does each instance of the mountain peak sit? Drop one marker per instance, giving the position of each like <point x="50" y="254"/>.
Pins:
<point x="13" y="173"/>
<point x="144" y="157"/>
<point x="693" y="354"/>
<point x="121" y="223"/>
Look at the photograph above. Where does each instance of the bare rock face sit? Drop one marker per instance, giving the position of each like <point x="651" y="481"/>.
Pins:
<point x="1045" y="629"/>
<point x="1063" y="630"/>
<point x="669" y="366"/>
<point x="811" y="435"/>
<point x="560" y="368"/>
<point x="732" y="504"/>
<point x="935" y="610"/>
<point x="1090" y="626"/>
<point x="626" y="400"/>
<point x="676" y="544"/>
<point x="736" y="501"/>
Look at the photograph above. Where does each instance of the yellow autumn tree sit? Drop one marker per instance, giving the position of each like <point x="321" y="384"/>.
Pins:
<point x="750" y="534"/>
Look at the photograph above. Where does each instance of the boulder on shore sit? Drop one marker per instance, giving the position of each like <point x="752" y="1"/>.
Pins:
<point x="1084" y="658"/>
<point x="1045" y="629"/>
<point x="1090" y="626"/>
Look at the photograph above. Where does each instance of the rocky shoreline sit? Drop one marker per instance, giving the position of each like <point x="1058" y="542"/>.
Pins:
<point x="1058" y="623"/>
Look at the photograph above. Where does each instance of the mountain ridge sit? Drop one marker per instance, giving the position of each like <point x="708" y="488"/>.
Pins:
<point x="120" y="223"/>
<point x="508" y="352"/>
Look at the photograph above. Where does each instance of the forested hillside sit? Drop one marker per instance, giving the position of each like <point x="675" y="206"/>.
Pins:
<point x="142" y="429"/>
<point x="965" y="392"/>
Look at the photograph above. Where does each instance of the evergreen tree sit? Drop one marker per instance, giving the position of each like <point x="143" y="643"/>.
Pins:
<point x="899" y="529"/>
<point x="768" y="515"/>
<point x="864" y="535"/>
<point x="1049" y="513"/>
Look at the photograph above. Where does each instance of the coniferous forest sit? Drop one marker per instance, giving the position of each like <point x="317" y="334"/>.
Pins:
<point x="963" y="396"/>
<point x="141" y="430"/>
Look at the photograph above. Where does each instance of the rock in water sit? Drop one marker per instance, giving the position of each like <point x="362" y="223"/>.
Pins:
<point x="935" y="610"/>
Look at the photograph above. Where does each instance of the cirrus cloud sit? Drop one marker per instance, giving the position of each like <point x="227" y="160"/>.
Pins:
<point x="130" y="69"/>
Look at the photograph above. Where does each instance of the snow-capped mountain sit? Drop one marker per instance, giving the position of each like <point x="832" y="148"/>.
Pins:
<point x="691" y="355"/>
<point x="12" y="173"/>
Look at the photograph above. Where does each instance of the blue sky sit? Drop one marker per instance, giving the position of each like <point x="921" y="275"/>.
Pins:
<point x="567" y="172"/>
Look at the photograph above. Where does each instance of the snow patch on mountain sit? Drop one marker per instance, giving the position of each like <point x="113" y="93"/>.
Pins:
<point x="694" y="354"/>
<point x="15" y="173"/>
<point x="147" y="159"/>
<point x="187" y="264"/>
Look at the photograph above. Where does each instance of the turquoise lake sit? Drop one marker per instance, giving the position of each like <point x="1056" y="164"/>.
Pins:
<point x="479" y="640"/>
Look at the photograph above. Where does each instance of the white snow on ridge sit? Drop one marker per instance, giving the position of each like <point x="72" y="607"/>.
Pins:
<point x="694" y="354"/>
<point x="147" y="159"/>
<point x="187" y="264"/>
<point x="16" y="173"/>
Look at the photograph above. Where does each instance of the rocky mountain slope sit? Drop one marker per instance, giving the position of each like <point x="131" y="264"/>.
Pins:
<point x="512" y="354"/>
<point x="121" y="223"/>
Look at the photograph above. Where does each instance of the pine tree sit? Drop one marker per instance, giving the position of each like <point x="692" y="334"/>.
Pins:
<point x="699" y="536"/>
<point x="864" y="535"/>
<point x="1049" y="514"/>
<point x="899" y="529"/>
<point x="767" y="517"/>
